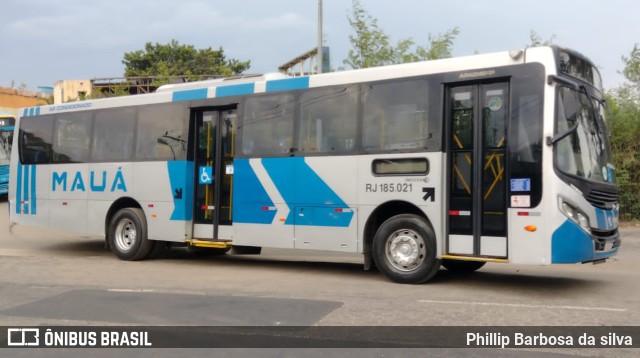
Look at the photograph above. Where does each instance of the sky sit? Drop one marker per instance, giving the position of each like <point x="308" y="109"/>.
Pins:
<point x="43" y="41"/>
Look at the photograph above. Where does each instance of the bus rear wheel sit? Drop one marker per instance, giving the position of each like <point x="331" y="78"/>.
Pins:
<point x="404" y="249"/>
<point x="127" y="235"/>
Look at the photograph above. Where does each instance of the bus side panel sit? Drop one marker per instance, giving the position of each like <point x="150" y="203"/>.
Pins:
<point x="163" y="191"/>
<point x="29" y="202"/>
<point x="107" y="182"/>
<point x="529" y="246"/>
<point x="303" y="203"/>
<point x="325" y="203"/>
<point x="69" y="185"/>
<point x="259" y="208"/>
<point x="534" y="247"/>
<point x="424" y="191"/>
<point x="97" y="212"/>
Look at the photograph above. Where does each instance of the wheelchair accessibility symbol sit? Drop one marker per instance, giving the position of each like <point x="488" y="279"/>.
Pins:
<point x="206" y="175"/>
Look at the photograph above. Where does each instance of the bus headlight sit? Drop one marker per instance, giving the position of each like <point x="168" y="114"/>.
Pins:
<point x="575" y="215"/>
<point x="568" y="210"/>
<point x="583" y="220"/>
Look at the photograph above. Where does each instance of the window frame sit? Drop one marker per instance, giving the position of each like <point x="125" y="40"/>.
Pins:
<point x="241" y="137"/>
<point x="357" y="110"/>
<point x="375" y="173"/>
<point x="88" y="116"/>
<point x="131" y="157"/>
<point x="51" y="118"/>
<point x="50" y="124"/>
<point x="434" y="141"/>
<point x="434" y="130"/>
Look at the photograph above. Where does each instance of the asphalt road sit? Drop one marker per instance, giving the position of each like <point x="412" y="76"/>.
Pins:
<point x="56" y="278"/>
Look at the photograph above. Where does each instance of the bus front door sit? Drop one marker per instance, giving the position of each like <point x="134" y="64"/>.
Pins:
<point x="477" y="117"/>
<point x="214" y="151"/>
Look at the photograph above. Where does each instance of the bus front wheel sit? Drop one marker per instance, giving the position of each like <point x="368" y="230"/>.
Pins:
<point x="404" y="249"/>
<point x="128" y="235"/>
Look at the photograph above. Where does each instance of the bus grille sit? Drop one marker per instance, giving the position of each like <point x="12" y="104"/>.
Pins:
<point x="4" y="170"/>
<point x="4" y="188"/>
<point x="602" y="199"/>
<point x="602" y="237"/>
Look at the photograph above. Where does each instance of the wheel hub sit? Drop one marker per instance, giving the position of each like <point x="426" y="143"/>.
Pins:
<point x="406" y="250"/>
<point x="125" y="235"/>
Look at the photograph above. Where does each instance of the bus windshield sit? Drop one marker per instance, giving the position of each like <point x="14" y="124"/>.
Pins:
<point x="585" y="152"/>
<point x="6" y="138"/>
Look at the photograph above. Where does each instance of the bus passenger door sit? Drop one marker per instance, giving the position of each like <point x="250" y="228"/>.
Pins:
<point x="477" y="117"/>
<point x="214" y="152"/>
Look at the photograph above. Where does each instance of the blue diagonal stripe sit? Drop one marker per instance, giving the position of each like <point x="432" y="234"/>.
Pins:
<point x="25" y="192"/>
<point x="249" y="196"/>
<point x="309" y="190"/>
<point x="34" y="200"/>
<point x="19" y="190"/>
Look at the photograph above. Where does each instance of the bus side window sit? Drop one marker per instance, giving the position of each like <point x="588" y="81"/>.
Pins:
<point x="72" y="138"/>
<point x="35" y="139"/>
<point x="114" y="134"/>
<point x="328" y="120"/>
<point x="267" y="128"/>
<point x="395" y="116"/>
<point x="162" y="132"/>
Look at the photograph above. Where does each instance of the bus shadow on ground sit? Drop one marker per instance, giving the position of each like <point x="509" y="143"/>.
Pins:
<point x="295" y="262"/>
<point x="485" y="278"/>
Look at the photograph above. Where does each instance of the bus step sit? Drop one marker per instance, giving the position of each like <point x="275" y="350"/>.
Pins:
<point x="210" y="243"/>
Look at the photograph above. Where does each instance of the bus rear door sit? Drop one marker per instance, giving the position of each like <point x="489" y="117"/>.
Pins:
<point x="214" y="147"/>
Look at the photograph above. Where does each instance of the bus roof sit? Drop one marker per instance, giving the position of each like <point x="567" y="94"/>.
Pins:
<point x="222" y="81"/>
<point x="274" y="82"/>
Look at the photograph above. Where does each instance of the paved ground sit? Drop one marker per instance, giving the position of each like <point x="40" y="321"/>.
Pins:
<point x="56" y="278"/>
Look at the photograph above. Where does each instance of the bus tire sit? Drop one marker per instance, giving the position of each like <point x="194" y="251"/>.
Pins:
<point x="128" y="235"/>
<point x="404" y="249"/>
<point x="461" y="266"/>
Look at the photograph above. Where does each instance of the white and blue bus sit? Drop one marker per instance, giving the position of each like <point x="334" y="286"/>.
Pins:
<point x="500" y="157"/>
<point x="7" y="122"/>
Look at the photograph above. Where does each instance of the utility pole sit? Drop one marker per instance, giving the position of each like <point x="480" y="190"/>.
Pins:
<point x="320" y="54"/>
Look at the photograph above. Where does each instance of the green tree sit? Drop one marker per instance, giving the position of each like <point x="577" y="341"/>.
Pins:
<point x="632" y="69"/>
<point x="372" y="47"/>
<point x="624" y="103"/>
<point x="439" y="46"/>
<point x="625" y="130"/>
<point x="114" y="90"/>
<point x="174" y="59"/>
<point x="536" y="41"/>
